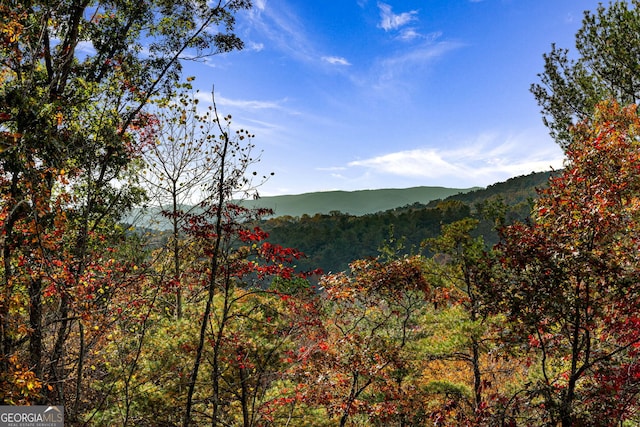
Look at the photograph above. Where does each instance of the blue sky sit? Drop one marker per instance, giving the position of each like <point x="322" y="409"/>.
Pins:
<point x="365" y="94"/>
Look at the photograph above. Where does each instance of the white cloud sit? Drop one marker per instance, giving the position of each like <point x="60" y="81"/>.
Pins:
<point x="335" y="60"/>
<point x="282" y="30"/>
<point x="411" y="163"/>
<point x="332" y="168"/>
<point x="481" y="162"/>
<point x="256" y="47"/>
<point x="86" y="47"/>
<point x="390" y="21"/>
<point x="247" y="104"/>
<point x="394" y="68"/>
<point x="409" y="34"/>
<point x="242" y="104"/>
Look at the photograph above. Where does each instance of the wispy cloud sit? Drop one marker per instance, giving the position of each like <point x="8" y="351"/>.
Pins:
<point x="242" y="104"/>
<point x="256" y="47"/>
<point x="335" y="60"/>
<point x="483" y="161"/>
<point x="394" y="67"/>
<point x="249" y="104"/>
<point x="391" y="21"/>
<point x="409" y="34"/>
<point x="332" y="168"/>
<point x="281" y="29"/>
<point x="86" y="47"/>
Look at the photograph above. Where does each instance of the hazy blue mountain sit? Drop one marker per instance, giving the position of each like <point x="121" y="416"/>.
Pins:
<point x="331" y="241"/>
<point x="336" y="227"/>
<point x="355" y="203"/>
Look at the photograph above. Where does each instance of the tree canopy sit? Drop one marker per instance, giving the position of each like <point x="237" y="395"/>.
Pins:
<point x="216" y="324"/>
<point x="604" y="66"/>
<point x="75" y="78"/>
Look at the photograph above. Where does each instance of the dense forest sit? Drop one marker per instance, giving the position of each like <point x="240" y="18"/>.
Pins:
<point x="356" y="203"/>
<point x="331" y="241"/>
<point x="517" y="308"/>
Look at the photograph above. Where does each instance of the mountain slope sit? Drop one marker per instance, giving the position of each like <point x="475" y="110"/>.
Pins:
<point x="331" y="241"/>
<point x="355" y="203"/>
<point x="513" y="191"/>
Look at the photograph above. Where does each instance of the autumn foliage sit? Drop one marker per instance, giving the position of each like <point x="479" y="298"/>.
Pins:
<point x="213" y="323"/>
<point x="572" y="283"/>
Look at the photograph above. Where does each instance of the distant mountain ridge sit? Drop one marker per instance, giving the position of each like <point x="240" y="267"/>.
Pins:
<point x="357" y="203"/>
<point x="366" y="202"/>
<point x="519" y="189"/>
<point x="336" y="227"/>
<point x="331" y="241"/>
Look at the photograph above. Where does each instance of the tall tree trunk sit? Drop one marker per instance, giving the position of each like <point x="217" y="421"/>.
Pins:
<point x="7" y="342"/>
<point x="79" y="370"/>
<point x="213" y="274"/>
<point x="176" y="256"/>
<point x="35" y="324"/>
<point x="477" y="374"/>
<point x="244" y="396"/>
<point x="57" y="356"/>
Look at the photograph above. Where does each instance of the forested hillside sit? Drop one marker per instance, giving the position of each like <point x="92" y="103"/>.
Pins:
<point x="520" y="190"/>
<point x="353" y="203"/>
<point x="356" y="203"/>
<point x="332" y="241"/>
<point x="501" y="307"/>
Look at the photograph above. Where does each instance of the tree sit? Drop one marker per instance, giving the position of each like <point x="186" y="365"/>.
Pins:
<point x="355" y="362"/>
<point x="178" y="167"/>
<point x="607" y="66"/>
<point x="146" y="380"/>
<point x="232" y="254"/>
<point x="239" y="361"/>
<point x="572" y="287"/>
<point x="68" y="131"/>
<point x="460" y="269"/>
